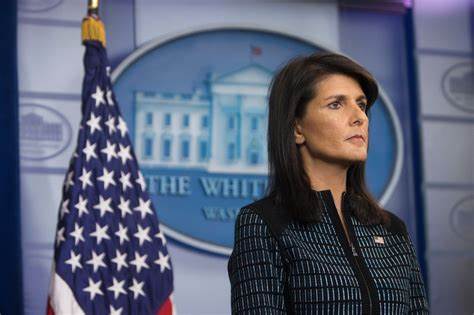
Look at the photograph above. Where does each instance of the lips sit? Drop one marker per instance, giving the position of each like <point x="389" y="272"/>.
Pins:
<point x="357" y="137"/>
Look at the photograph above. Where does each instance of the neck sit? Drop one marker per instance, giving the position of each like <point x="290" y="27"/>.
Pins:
<point x="325" y="175"/>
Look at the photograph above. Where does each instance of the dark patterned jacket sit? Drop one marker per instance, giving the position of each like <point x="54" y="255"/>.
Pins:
<point x="279" y="266"/>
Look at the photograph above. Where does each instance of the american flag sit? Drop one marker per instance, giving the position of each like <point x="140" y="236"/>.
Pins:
<point x="110" y="255"/>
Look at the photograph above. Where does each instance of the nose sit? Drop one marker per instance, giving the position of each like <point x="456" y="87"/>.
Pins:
<point x="358" y="115"/>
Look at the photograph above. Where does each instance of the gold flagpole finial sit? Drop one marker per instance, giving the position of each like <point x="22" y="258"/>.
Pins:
<point x="93" y="7"/>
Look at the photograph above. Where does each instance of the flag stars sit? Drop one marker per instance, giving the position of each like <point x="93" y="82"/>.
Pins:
<point x="120" y="259"/>
<point x="93" y="289"/>
<point x="122" y="234"/>
<point x="124" y="153"/>
<point x="98" y="96"/>
<point x="104" y="206"/>
<point x="93" y="123"/>
<point x="125" y="180"/>
<point x="137" y="289"/>
<point x="74" y="261"/>
<point x="81" y="206"/>
<point x="60" y="236"/>
<point x="96" y="261"/>
<point x="124" y="207"/>
<point x="110" y="123"/>
<point x="100" y="233"/>
<point x="117" y="287"/>
<point x="142" y="234"/>
<point x="85" y="178"/>
<point x="109" y="150"/>
<point x="122" y="126"/>
<point x="77" y="234"/>
<point x="143" y="207"/>
<point x="114" y="311"/>
<point x="69" y="181"/>
<point x="141" y="181"/>
<point x="89" y="151"/>
<point x="107" y="178"/>
<point x="64" y="208"/>
<point x="163" y="262"/>
<point x="140" y="262"/>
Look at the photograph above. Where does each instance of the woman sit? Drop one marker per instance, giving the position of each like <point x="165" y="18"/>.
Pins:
<point x="319" y="243"/>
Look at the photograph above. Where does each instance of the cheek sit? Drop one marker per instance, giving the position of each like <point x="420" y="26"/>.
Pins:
<point x="325" y="136"/>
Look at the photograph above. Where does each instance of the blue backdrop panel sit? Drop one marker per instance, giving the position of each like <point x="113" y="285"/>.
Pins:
<point x="10" y="263"/>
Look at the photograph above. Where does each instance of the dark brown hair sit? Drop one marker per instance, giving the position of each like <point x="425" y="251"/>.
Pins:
<point x="290" y="91"/>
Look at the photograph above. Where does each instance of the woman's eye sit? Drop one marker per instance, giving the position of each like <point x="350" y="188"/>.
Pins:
<point x="363" y="106"/>
<point x="335" y="103"/>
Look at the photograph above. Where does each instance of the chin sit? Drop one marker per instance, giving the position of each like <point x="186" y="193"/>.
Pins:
<point x="358" y="158"/>
<point x="346" y="157"/>
<point x="349" y="160"/>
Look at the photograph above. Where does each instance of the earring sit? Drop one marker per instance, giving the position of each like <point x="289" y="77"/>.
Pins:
<point x="299" y="139"/>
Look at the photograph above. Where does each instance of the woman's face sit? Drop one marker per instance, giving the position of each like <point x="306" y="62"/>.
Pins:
<point x="332" y="117"/>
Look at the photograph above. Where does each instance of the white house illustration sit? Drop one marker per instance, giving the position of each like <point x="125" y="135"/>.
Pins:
<point x="35" y="128"/>
<point x="221" y="129"/>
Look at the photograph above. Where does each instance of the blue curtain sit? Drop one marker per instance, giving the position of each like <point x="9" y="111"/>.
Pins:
<point x="10" y="246"/>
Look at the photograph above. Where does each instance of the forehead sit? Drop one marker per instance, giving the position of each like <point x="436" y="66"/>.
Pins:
<point x="340" y="84"/>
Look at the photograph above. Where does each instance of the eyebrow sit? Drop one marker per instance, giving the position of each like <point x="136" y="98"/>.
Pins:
<point x="343" y="97"/>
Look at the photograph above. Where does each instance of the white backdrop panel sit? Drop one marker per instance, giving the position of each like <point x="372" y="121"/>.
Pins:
<point x="433" y="101"/>
<point x="50" y="58"/>
<point x="314" y="21"/>
<point x="40" y="210"/>
<point x="448" y="152"/>
<point x="441" y="24"/>
<point x="64" y="10"/>
<point x="37" y="269"/>
<point x="451" y="284"/>
<point x="446" y="232"/>
<point x="71" y="110"/>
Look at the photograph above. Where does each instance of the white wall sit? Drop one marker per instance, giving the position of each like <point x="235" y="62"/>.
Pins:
<point x="443" y="41"/>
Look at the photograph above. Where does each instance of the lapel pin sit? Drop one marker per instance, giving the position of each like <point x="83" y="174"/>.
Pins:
<point x="379" y="240"/>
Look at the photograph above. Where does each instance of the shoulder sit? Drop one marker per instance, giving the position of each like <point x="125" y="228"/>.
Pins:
<point x="267" y="212"/>
<point x="396" y="224"/>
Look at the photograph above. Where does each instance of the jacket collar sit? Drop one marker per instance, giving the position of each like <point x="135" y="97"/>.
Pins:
<point x="327" y="198"/>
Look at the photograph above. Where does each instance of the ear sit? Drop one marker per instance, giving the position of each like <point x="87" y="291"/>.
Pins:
<point x="299" y="137"/>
